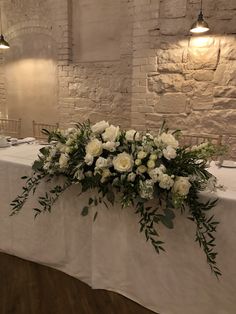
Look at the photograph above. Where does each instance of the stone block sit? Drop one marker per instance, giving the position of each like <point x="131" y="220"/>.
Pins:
<point x="203" y="75"/>
<point x="201" y="104"/>
<point x="203" y="53"/>
<point x="225" y="74"/>
<point x="170" y="67"/>
<point x="169" y="56"/>
<point x="225" y="91"/>
<point x="163" y="83"/>
<point x="172" y="103"/>
<point x="173" y="8"/>
<point x="172" y="27"/>
<point x="224" y="103"/>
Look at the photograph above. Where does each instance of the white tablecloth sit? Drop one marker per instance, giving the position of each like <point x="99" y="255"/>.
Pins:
<point x="111" y="253"/>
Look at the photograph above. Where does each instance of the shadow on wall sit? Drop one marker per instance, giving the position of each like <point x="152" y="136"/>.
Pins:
<point x="31" y="80"/>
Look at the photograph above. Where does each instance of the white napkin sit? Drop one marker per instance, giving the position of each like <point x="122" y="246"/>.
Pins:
<point x="26" y="140"/>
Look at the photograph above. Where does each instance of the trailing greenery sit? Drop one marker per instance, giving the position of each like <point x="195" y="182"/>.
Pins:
<point x="134" y="167"/>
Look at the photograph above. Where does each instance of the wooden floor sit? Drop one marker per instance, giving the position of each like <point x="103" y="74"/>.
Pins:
<point x="29" y="288"/>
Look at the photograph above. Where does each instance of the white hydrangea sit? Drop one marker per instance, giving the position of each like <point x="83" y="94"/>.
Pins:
<point x="146" y="189"/>
<point x="131" y="177"/>
<point x="156" y="173"/>
<point x="94" y="148"/>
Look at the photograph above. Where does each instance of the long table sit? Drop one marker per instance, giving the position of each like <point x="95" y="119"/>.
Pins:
<point x="112" y="254"/>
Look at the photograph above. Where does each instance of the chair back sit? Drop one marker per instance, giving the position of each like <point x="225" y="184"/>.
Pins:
<point x="39" y="126"/>
<point x="197" y="139"/>
<point x="10" y="127"/>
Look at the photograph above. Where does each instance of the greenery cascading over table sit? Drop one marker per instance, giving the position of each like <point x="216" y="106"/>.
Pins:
<point x="140" y="166"/>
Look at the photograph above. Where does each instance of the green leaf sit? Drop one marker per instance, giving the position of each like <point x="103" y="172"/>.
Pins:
<point x="37" y="165"/>
<point x="167" y="222"/>
<point x="110" y="197"/>
<point x="169" y="213"/>
<point x="95" y="216"/>
<point x="85" y="211"/>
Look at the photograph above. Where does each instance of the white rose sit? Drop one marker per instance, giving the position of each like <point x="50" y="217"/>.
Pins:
<point x="111" y="133"/>
<point x="151" y="164"/>
<point x="94" y="148"/>
<point x="166" y="182"/>
<point x="110" y="146"/>
<point x="101" y="163"/>
<point x="63" y="160"/>
<point x="181" y="186"/>
<point x="123" y="162"/>
<point x="131" y="177"/>
<point x="100" y="127"/>
<point x="69" y="141"/>
<point x="167" y="139"/>
<point x="132" y="135"/>
<point x="142" y="154"/>
<point x="169" y="152"/>
<point x="88" y="159"/>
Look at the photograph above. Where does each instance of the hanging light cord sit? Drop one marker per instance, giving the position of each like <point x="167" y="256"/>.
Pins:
<point x="1" y="19"/>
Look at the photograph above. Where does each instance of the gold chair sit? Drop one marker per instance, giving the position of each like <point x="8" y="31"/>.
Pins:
<point x="10" y="127"/>
<point x="39" y="126"/>
<point x="197" y="139"/>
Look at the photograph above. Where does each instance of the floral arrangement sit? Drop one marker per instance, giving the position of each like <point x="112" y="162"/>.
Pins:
<point x="141" y="167"/>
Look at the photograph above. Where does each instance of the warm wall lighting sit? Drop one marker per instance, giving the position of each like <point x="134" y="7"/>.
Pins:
<point x="200" y="26"/>
<point x="3" y="43"/>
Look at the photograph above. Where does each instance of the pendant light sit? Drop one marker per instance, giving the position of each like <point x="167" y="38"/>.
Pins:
<point x="200" y="26"/>
<point x="3" y="43"/>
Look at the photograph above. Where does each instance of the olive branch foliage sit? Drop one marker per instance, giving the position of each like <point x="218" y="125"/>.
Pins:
<point x="165" y="204"/>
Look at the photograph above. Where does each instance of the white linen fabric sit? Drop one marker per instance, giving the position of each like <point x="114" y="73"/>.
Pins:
<point x="111" y="254"/>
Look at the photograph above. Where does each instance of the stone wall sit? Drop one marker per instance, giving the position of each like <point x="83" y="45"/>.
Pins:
<point x="187" y="80"/>
<point x="147" y="70"/>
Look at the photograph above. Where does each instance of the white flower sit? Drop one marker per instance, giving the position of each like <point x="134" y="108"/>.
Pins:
<point x="94" y="148"/>
<point x="100" y="127"/>
<point x="138" y="162"/>
<point x="146" y="189"/>
<point x="88" y="173"/>
<point x="79" y="174"/>
<point x="68" y="149"/>
<point x="156" y="173"/>
<point x="70" y="141"/>
<point x="132" y="135"/>
<point x="110" y="146"/>
<point x="165" y="181"/>
<point x="131" y="177"/>
<point x="88" y="159"/>
<point x="181" y="186"/>
<point x="153" y="156"/>
<point x="105" y="174"/>
<point x="169" y="152"/>
<point x="101" y="163"/>
<point x="111" y="133"/>
<point x="123" y="162"/>
<point x="142" y="154"/>
<point x="168" y="139"/>
<point x="151" y="164"/>
<point x="141" y="169"/>
<point x="63" y="160"/>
